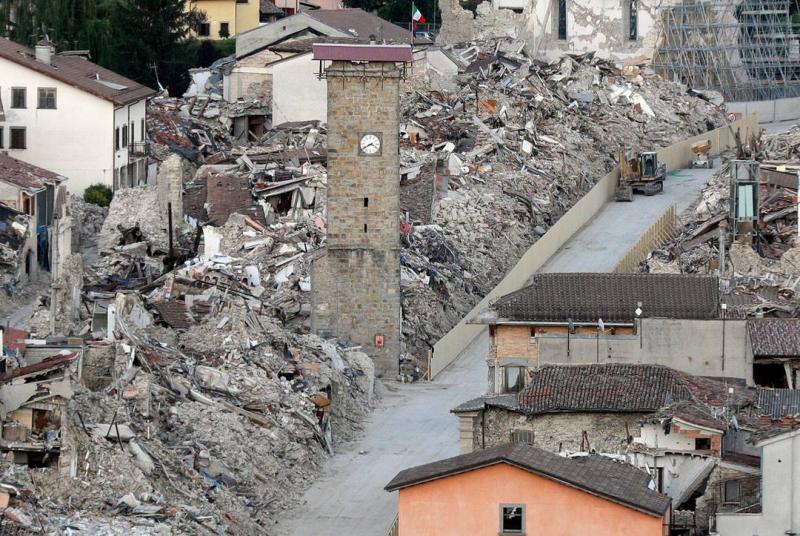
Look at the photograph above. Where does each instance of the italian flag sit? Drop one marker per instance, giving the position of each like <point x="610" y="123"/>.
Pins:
<point x="416" y="15"/>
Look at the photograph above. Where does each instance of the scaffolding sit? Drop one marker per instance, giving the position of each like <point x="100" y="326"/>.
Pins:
<point x="748" y="50"/>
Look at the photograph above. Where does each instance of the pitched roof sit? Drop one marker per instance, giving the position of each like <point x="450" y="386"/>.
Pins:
<point x="361" y="24"/>
<point x="585" y="297"/>
<point x="25" y="175"/>
<point x="600" y="388"/>
<point x="774" y="337"/>
<point x="779" y="403"/>
<point x="79" y="73"/>
<point x="598" y="475"/>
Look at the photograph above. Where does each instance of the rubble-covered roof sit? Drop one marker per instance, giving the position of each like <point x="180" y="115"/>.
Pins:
<point x="79" y="73"/>
<point x="600" y="388"/>
<point x="588" y="297"/>
<point x="612" y="480"/>
<point x="774" y="337"/>
<point x="779" y="402"/>
<point x="25" y="175"/>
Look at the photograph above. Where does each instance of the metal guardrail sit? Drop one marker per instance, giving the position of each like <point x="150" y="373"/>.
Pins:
<point x="140" y="148"/>
<point x="394" y="529"/>
<point x="662" y="230"/>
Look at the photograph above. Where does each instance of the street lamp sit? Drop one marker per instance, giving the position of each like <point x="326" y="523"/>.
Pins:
<point x="724" y="311"/>
<point x="638" y="312"/>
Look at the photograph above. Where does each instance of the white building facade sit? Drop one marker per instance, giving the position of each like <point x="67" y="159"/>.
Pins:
<point x="70" y="116"/>
<point x="780" y="499"/>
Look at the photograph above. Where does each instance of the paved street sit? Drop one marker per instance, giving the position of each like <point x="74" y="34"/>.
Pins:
<point x="413" y="424"/>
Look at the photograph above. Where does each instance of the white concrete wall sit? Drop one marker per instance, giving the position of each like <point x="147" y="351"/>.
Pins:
<point x="768" y="111"/>
<point x="653" y="436"/>
<point x="780" y="465"/>
<point x="74" y="140"/>
<point x="693" y="346"/>
<point x="297" y="93"/>
<point x="679" y="471"/>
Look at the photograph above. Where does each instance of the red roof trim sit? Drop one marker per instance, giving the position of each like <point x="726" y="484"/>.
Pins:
<point x="348" y="52"/>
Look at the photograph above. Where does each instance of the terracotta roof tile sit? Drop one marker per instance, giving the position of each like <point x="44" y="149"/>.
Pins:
<point x="25" y="175"/>
<point x="617" y="388"/>
<point x="615" y="481"/>
<point x="79" y="73"/>
<point x="774" y="337"/>
<point x="585" y="297"/>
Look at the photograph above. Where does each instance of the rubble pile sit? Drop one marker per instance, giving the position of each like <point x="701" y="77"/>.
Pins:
<point x="761" y="264"/>
<point x="87" y="222"/>
<point x="506" y="152"/>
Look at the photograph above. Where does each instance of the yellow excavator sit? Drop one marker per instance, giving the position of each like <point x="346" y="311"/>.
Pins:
<point x="639" y="172"/>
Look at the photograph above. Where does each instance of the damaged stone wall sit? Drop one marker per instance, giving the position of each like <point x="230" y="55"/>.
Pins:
<point x="602" y="27"/>
<point x="65" y="296"/>
<point x="606" y="432"/>
<point x="171" y="174"/>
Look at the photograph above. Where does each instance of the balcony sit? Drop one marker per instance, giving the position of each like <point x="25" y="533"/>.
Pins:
<point x="139" y="148"/>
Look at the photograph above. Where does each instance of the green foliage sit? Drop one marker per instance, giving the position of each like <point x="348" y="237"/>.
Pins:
<point x="137" y="38"/>
<point x="98" y="194"/>
<point x="210" y="51"/>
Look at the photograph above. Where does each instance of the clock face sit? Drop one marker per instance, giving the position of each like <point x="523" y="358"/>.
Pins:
<point x="370" y="144"/>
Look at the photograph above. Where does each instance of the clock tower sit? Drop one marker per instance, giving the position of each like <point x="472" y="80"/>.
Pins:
<point x="356" y="277"/>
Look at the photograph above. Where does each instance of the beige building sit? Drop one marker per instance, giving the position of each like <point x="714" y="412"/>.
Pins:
<point x="225" y="18"/>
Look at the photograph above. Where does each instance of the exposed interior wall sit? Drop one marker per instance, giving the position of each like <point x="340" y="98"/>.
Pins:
<point x="692" y="346"/>
<point x="592" y="25"/>
<point x="297" y="93"/>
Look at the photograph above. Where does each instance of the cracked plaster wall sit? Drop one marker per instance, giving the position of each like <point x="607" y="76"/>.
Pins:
<point x="592" y="25"/>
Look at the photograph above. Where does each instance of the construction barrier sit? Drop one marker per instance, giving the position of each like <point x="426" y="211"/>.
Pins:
<point x="662" y="230"/>
<point x="676" y="156"/>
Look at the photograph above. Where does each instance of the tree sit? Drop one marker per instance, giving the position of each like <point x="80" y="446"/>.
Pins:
<point x="146" y="40"/>
<point x="150" y="42"/>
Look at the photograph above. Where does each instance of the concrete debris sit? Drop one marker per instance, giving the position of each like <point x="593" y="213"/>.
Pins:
<point x="760" y="265"/>
<point x="503" y="156"/>
<point x="201" y="402"/>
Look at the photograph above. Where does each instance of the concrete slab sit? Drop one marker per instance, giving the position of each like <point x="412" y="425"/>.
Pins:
<point x="616" y="228"/>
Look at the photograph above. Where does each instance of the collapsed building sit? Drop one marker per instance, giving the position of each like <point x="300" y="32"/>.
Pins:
<point x="745" y="49"/>
<point x="197" y="377"/>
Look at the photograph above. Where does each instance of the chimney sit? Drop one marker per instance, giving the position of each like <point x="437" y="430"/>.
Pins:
<point x="44" y="51"/>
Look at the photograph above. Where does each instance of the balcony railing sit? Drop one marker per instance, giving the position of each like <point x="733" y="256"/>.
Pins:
<point x="140" y="148"/>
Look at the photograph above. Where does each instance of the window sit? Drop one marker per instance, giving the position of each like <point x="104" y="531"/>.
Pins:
<point x="365" y="227"/>
<point x="512" y="518"/>
<point x="124" y="136"/>
<point x="633" y="20"/>
<point x="18" y="97"/>
<point x="513" y="379"/>
<point x="731" y="491"/>
<point x="702" y="443"/>
<point x="141" y="131"/>
<point x="561" y="20"/>
<point x="366" y="201"/>
<point x="47" y="98"/>
<point x="133" y="136"/>
<point x="116" y="139"/>
<point x="224" y="30"/>
<point x="18" y="140"/>
<point x="1" y="138"/>
<point x="241" y="1"/>
<point x="204" y="29"/>
<point x="522" y="437"/>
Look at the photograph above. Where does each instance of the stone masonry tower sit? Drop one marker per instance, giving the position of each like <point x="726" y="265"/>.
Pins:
<point x="356" y="280"/>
